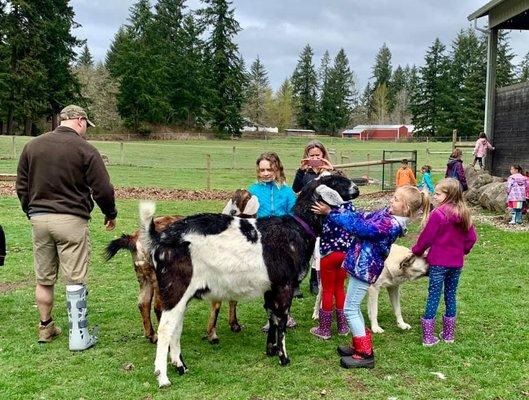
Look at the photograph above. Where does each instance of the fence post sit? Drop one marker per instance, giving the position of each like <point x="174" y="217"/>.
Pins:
<point x="14" y="148"/>
<point x="454" y="138"/>
<point x="208" y="171"/>
<point x="233" y="158"/>
<point x="368" y="159"/>
<point x="121" y="151"/>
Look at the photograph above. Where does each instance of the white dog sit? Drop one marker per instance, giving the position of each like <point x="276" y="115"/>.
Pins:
<point x="400" y="266"/>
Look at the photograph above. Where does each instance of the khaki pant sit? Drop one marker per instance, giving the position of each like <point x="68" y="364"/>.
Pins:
<point x="60" y="241"/>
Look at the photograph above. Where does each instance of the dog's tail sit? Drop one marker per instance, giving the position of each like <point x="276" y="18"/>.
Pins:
<point x="148" y="232"/>
<point x="124" y="242"/>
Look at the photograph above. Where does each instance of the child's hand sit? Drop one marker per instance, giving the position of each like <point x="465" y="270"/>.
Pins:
<point x="320" y="208"/>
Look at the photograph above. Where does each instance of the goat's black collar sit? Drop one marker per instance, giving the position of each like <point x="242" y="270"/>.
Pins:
<point x="305" y="226"/>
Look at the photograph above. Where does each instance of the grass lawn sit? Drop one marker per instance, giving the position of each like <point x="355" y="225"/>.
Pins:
<point x="489" y="360"/>
<point x="182" y="164"/>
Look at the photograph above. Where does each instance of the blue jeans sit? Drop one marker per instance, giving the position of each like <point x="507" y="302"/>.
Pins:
<point x="439" y="276"/>
<point x="356" y="291"/>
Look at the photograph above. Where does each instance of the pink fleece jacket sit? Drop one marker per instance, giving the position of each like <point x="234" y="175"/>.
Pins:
<point x="448" y="243"/>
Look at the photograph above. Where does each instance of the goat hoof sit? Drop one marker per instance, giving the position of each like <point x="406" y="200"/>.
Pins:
<point x="271" y="350"/>
<point x="153" y="338"/>
<point x="236" y="328"/>
<point x="214" y="340"/>
<point x="181" y="370"/>
<point x="284" y="361"/>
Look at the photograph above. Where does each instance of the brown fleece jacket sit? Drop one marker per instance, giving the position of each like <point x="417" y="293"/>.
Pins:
<point x="60" y="172"/>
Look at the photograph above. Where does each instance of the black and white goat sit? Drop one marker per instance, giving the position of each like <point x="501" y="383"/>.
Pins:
<point x="219" y="257"/>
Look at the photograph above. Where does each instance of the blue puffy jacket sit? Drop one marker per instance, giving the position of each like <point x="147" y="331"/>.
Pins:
<point x="274" y="200"/>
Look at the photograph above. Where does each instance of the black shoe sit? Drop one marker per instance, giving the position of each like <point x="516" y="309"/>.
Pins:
<point x="364" y="362"/>
<point x="298" y="294"/>
<point x="314" y="288"/>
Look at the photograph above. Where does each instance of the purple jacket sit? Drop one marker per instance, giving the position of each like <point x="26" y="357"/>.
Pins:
<point x="448" y="243"/>
<point x="516" y="185"/>
<point x="454" y="169"/>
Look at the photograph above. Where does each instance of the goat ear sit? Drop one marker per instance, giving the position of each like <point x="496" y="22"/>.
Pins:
<point x="252" y="206"/>
<point x="407" y="262"/>
<point x="228" y="208"/>
<point x="330" y="196"/>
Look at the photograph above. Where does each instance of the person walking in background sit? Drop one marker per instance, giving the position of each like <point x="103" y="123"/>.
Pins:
<point x="516" y="193"/>
<point x="373" y="234"/>
<point x="275" y="197"/>
<point x="426" y="182"/>
<point x="405" y="175"/>
<point x="449" y="235"/>
<point x="480" y="149"/>
<point x="454" y="169"/>
<point x="315" y="161"/>
<point x="2" y="246"/>
<point x="59" y="177"/>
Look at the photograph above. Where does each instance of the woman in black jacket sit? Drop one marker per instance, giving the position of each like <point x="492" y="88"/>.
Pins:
<point x="2" y="246"/>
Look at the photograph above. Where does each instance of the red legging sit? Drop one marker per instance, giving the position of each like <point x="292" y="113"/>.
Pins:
<point x="332" y="280"/>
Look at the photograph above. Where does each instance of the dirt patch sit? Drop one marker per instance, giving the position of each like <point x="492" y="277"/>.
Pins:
<point x="9" y="287"/>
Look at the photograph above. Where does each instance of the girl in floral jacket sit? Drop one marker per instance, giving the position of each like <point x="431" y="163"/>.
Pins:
<point x="516" y="193"/>
<point x="373" y="234"/>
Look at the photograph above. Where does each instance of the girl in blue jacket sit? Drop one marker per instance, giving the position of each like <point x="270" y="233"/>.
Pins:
<point x="275" y="197"/>
<point x="426" y="182"/>
<point x="373" y="234"/>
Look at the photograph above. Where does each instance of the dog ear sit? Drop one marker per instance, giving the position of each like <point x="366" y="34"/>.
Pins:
<point x="252" y="206"/>
<point x="330" y="196"/>
<point x="408" y="261"/>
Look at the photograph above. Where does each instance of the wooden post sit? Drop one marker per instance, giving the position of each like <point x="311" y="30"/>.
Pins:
<point x="368" y="159"/>
<point x="233" y="158"/>
<point x="14" y="148"/>
<point x="454" y="138"/>
<point x="121" y="151"/>
<point x="208" y="171"/>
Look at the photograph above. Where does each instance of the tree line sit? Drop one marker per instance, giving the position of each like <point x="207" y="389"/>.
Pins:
<point x="168" y="65"/>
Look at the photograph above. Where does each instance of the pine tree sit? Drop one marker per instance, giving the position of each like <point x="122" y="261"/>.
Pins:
<point x="227" y="74"/>
<point x="85" y="58"/>
<point x="395" y="86"/>
<point x="284" y="110"/>
<point x="257" y="91"/>
<point x="323" y="72"/>
<point x="430" y="103"/>
<point x="523" y="75"/>
<point x="4" y="66"/>
<point x="337" y="95"/>
<point x="505" y="74"/>
<point x="304" y="86"/>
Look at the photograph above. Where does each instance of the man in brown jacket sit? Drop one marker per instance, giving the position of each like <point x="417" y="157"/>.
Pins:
<point x="58" y="178"/>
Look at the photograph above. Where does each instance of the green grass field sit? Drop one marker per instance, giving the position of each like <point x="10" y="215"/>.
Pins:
<point x="488" y="361"/>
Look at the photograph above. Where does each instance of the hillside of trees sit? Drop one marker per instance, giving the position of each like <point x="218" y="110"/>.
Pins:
<point x="171" y="66"/>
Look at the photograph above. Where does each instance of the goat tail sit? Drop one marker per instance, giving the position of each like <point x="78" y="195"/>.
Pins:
<point x="147" y="228"/>
<point x="124" y="242"/>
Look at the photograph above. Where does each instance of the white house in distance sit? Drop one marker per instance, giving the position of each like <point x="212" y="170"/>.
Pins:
<point x="379" y="132"/>
<point x="249" y="126"/>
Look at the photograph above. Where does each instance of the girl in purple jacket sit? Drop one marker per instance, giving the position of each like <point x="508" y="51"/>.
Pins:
<point x="450" y="235"/>
<point x="373" y="233"/>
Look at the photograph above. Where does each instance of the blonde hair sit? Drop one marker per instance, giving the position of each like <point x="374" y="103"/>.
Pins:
<point x="454" y="197"/>
<point x="275" y="164"/>
<point x="415" y="200"/>
<point x="318" y="145"/>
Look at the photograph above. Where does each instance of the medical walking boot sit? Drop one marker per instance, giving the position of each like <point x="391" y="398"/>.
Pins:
<point x="80" y="338"/>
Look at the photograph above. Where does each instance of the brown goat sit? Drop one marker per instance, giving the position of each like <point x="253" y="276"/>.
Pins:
<point x="149" y="294"/>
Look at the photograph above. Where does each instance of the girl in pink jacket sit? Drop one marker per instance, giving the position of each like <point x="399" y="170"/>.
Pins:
<point x="480" y="149"/>
<point x="449" y="235"/>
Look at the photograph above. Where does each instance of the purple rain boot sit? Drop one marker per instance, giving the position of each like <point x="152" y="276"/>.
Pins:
<point x="323" y="331"/>
<point x="343" y="329"/>
<point x="448" y="334"/>
<point x="428" y="332"/>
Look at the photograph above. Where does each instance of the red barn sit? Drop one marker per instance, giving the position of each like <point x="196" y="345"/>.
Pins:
<point x="379" y="132"/>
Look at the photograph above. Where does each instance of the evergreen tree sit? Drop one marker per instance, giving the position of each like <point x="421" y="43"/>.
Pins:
<point x="304" y="86"/>
<point x="323" y="72"/>
<point x="396" y="85"/>
<point x="226" y="67"/>
<point x="4" y="66"/>
<point x="284" y="110"/>
<point x="337" y="95"/>
<point x="523" y="75"/>
<point x="381" y="104"/>
<point x="505" y="74"/>
<point x="467" y="83"/>
<point x="257" y="91"/>
<point x="382" y="72"/>
<point x="430" y="103"/>
<point x="85" y="58"/>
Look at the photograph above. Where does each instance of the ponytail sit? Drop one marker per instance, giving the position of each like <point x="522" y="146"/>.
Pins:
<point x="425" y="206"/>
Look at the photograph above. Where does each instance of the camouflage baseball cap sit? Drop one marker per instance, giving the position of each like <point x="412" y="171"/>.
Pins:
<point x="73" y="112"/>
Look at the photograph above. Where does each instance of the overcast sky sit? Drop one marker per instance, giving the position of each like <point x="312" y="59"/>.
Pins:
<point x="277" y="30"/>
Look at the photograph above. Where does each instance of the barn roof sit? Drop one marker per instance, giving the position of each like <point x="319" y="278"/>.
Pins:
<point x="504" y="14"/>
<point x="361" y="128"/>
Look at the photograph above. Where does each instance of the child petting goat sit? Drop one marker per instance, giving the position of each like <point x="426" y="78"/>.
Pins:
<point x="241" y="204"/>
